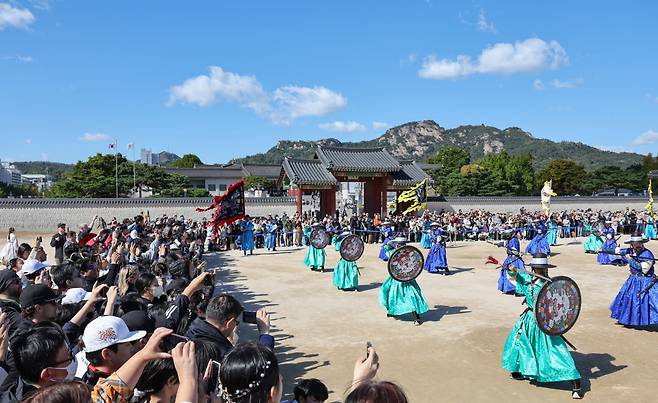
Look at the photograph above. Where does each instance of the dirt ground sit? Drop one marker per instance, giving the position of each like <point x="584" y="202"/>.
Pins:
<point x="454" y="356"/>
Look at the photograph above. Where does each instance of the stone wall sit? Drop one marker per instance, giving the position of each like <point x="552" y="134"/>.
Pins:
<point x="43" y="214"/>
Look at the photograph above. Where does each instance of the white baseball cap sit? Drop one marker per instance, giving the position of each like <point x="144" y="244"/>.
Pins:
<point x="75" y="295"/>
<point x="31" y="266"/>
<point x="107" y="331"/>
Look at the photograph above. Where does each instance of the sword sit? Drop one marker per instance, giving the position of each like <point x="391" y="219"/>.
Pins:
<point x="568" y="342"/>
<point x="647" y="288"/>
<point x="529" y="272"/>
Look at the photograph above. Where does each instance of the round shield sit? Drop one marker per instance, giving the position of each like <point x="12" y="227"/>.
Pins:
<point x="406" y="263"/>
<point x="351" y="248"/>
<point x="320" y="238"/>
<point x="557" y="306"/>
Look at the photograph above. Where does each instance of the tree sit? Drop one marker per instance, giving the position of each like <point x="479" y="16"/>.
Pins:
<point x="568" y="177"/>
<point x="451" y="159"/>
<point x="257" y="182"/>
<point x="96" y="178"/>
<point x="187" y="161"/>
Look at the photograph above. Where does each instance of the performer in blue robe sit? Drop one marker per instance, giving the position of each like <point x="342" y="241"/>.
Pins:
<point x="650" y="229"/>
<point x="426" y="238"/>
<point x="346" y="274"/>
<point x="530" y="353"/>
<point x="387" y="235"/>
<point x="513" y="260"/>
<point x="636" y="304"/>
<point x="539" y="244"/>
<point x="608" y="234"/>
<point x="400" y="298"/>
<point x="315" y="257"/>
<point x="551" y="234"/>
<point x="247" y="237"/>
<point x="437" y="261"/>
<point x="270" y="235"/>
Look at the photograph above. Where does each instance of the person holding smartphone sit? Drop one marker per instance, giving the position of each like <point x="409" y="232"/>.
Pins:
<point x="220" y="326"/>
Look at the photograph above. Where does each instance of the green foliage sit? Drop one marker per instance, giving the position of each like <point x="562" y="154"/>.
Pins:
<point x="451" y="159"/>
<point x="257" y="182"/>
<point x="568" y="177"/>
<point x="18" y="191"/>
<point x="96" y="178"/>
<point x="55" y="169"/>
<point x="186" y="161"/>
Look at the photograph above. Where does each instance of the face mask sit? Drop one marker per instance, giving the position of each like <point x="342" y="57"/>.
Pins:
<point x="70" y="371"/>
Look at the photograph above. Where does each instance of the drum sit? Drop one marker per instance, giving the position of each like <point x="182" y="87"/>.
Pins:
<point x="557" y="306"/>
<point x="351" y="248"/>
<point x="406" y="263"/>
<point x="320" y="238"/>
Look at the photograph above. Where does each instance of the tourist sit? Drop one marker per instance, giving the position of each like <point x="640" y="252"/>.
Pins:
<point x="57" y="241"/>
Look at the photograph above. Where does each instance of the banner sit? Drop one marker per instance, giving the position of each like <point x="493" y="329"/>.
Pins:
<point x="649" y="206"/>
<point x="546" y="193"/>
<point x="229" y="207"/>
<point x="417" y="196"/>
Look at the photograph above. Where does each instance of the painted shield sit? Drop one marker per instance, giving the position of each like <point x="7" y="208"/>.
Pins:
<point x="320" y="238"/>
<point x="557" y="306"/>
<point x="406" y="263"/>
<point x="351" y="248"/>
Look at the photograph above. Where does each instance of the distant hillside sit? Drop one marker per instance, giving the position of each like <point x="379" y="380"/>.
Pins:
<point x="421" y="140"/>
<point x="167" y="158"/>
<point x="56" y="169"/>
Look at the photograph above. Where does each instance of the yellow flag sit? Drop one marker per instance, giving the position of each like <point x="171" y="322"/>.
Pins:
<point x="649" y="206"/>
<point x="417" y="195"/>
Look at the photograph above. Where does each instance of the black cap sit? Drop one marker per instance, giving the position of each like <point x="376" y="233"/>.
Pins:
<point x="37" y="294"/>
<point x="7" y="278"/>
<point x="177" y="284"/>
<point x="61" y="225"/>
<point x="139" y="320"/>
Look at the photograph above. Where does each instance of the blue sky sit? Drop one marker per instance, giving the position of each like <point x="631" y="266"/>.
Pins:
<point x="224" y="79"/>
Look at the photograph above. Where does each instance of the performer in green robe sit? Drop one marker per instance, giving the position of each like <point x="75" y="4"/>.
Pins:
<point x="399" y="297"/>
<point x="346" y="274"/>
<point x="594" y="242"/>
<point x="315" y="257"/>
<point x="530" y="353"/>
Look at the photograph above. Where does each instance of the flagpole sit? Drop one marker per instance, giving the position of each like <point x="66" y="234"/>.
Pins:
<point x="134" y="174"/>
<point x="116" y="169"/>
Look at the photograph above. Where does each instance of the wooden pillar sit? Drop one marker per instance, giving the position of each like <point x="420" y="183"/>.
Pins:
<point x="300" y="193"/>
<point x="372" y="195"/>
<point x="328" y="201"/>
<point x="383" y="194"/>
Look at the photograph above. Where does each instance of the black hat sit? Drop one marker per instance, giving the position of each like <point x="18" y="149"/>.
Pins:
<point x="139" y="320"/>
<point x="7" y="278"/>
<point x="37" y="294"/>
<point x="61" y="225"/>
<point x="637" y="237"/>
<point x="178" y="284"/>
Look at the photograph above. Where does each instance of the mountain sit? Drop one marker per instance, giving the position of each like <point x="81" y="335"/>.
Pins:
<point x="167" y="158"/>
<point x="421" y="140"/>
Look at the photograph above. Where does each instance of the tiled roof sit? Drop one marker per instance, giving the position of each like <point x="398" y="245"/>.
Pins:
<point x="409" y="175"/>
<point x="207" y="172"/>
<point x="357" y="159"/>
<point x="308" y="172"/>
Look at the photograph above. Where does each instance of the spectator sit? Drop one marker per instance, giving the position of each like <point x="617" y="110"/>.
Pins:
<point x="10" y="292"/>
<point x="61" y="392"/>
<point x="57" y="241"/>
<point x="310" y="391"/>
<point x="221" y="324"/>
<point x="42" y="358"/>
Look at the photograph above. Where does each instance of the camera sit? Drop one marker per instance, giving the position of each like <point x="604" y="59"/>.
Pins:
<point x="39" y="239"/>
<point x="249" y="317"/>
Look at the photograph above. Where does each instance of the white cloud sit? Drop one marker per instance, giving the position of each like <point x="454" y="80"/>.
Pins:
<point x="538" y="84"/>
<point x="28" y="141"/>
<point x="648" y="137"/>
<point x="567" y="84"/>
<point x="44" y="157"/>
<point x="281" y="106"/>
<point x="484" y="25"/>
<point x="18" y="58"/>
<point x="40" y="4"/>
<point x="343" y="127"/>
<point x="527" y="56"/>
<point x="380" y="125"/>
<point x="14" y="17"/>
<point x="95" y="137"/>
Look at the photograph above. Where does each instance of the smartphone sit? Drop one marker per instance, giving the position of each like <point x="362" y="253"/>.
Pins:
<point x="213" y="380"/>
<point x="249" y="317"/>
<point x="171" y="341"/>
<point x="368" y="346"/>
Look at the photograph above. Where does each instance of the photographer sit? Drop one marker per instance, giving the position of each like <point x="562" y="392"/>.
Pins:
<point x="220" y="327"/>
<point x="57" y="241"/>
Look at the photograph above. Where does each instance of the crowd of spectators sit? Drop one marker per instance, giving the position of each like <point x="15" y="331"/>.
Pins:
<point x="130" y="312"/>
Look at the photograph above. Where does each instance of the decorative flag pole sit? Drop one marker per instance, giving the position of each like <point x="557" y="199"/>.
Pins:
<point x="546" y="193"/>
<point x="131" y="146"/>
<point x="113" y="146"/>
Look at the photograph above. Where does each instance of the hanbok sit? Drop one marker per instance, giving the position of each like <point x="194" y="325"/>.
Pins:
<point x="346" y="274"/>
<point x="610" y="245"/>
<point x="270" y="236"/>
<point x="551" y="233"/>
<point x="247" y="237"/>
<point x="650" y="229"/>
<point x="629" y="307"/>
<point x="388" y="236"/>
<point x="539" y="244"/>
<point x="400" y="298"/>
<point x="528" y="350"/>
<point x="314" y="257"/>
<point x="426" y="238"/>
<point x="505" y="285"/>
<point x="593" y="243"/>
<point x="437" y="259"/>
